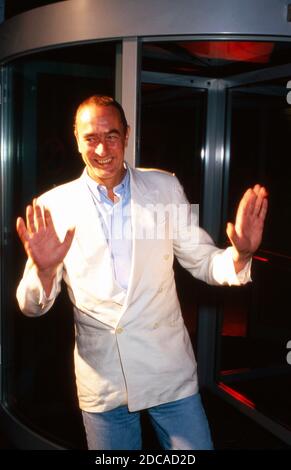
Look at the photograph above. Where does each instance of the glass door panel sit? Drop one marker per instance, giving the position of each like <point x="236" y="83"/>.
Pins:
<point x="256" y="323"/>
<point x="44" y="89"/>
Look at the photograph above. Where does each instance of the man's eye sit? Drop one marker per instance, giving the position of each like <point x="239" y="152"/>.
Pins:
<point x="112" y="138"/>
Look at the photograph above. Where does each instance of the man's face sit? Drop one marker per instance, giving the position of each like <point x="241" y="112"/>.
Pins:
<point x="101" y="141"/>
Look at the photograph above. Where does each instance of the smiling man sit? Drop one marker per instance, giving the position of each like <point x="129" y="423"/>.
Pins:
<point x="102" y="135"/>
<point x="132" y="349"/>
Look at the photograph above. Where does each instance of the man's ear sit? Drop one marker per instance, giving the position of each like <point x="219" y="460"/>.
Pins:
<point x="126" y="136"/>
<point x="77" y="139"/>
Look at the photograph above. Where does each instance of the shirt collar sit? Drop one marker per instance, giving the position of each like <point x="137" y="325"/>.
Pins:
<point x="97" y="188"/>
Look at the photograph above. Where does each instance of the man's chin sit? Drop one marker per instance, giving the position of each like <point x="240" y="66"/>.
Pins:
<point x="100" y="175"/>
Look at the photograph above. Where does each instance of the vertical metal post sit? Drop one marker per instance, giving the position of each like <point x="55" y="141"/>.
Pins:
<point x="211" y="220"/>
<point x="2" y="11"/>
<point x="6" y="196"/>
<point x="214" y="158"/>
<point x="118" y="72"/>
<point x="129" y="92"/>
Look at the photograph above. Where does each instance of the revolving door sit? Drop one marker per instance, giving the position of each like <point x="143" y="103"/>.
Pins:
<point x="210" y="107"/>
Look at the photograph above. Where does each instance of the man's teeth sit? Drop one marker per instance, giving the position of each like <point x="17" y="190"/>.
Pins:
<point x="103" y="162"/>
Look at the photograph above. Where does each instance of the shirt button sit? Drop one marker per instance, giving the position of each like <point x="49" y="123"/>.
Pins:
<point x="155" y="326"/>
<point x="166" y="257"/>
<point x="160" y="290"/>
<point x="119" y="330"/>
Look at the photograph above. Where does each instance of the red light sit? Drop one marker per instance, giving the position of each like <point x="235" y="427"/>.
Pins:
<point x="234" y="371"/>
<point x="245" y="51"/>
<point x="259" y="258"/>
<point x="238" y="396"/>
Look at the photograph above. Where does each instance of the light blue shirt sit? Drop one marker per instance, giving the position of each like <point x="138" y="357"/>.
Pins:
<point x="115" y="219"/>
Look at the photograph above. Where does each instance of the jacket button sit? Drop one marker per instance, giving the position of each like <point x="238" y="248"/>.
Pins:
<point x="119" y="330"/>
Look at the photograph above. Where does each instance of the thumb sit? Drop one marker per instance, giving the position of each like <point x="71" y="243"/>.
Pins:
<point x="230" y="231"/>
<point x="69" y="237"/>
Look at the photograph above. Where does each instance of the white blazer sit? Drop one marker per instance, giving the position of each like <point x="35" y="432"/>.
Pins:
<point x="132" y="346"/>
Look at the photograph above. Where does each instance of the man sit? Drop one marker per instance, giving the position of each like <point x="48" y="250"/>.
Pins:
<point x="132" y="348"/>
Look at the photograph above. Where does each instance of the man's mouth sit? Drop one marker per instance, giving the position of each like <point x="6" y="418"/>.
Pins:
<point x="104" y="161"/>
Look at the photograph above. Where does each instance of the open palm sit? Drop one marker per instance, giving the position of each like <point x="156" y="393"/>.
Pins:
<point x="40" y="240"/>
<point x="246" y="234"/>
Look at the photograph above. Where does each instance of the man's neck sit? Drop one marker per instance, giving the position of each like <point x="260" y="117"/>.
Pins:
<point x="110" y="184"/>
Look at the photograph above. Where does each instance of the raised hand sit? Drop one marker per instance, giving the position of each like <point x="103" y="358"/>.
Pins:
<point x="42" y="244"/>
<point x="246" y="234"/>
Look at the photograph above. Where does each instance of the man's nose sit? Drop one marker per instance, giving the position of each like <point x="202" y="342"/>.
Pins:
<point x="101" y="149"/>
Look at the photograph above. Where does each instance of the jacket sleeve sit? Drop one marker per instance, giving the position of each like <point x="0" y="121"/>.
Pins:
<point x="30" y="294"/>
<point x="195" y="249"/>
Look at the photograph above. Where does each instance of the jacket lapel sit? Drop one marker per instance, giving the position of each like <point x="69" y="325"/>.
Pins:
<point x="88" y="224"/>
<point x="141" y="200"/>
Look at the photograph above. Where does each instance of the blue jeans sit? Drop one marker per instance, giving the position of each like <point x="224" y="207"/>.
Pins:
<point x="181" y="424"/>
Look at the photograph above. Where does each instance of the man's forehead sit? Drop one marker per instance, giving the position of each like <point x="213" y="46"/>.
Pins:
<point x="84" y="115"/>
<point x="91" y="113"/>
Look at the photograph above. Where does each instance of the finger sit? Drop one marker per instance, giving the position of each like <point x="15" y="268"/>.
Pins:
<point x="68" y="239"/>
<point x="21" y="230"/>
<point x="230" y="231"/>
<point x="38" y="217"/>
<point x="264" y="210"/>
<point x="247" y="203"/>
<point x="48" y="219"/>
<point x="256" y="189"/>
<point x="264" y="191"/>
<point x="261" y="197"/>
<point x="30" y="219"/>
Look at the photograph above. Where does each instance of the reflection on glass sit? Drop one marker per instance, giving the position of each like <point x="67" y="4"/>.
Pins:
<point x="256" y="319"/>
<point x="213" y="59"/>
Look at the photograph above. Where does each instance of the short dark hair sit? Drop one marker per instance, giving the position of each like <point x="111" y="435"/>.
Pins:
<point x="103" y="100"/>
